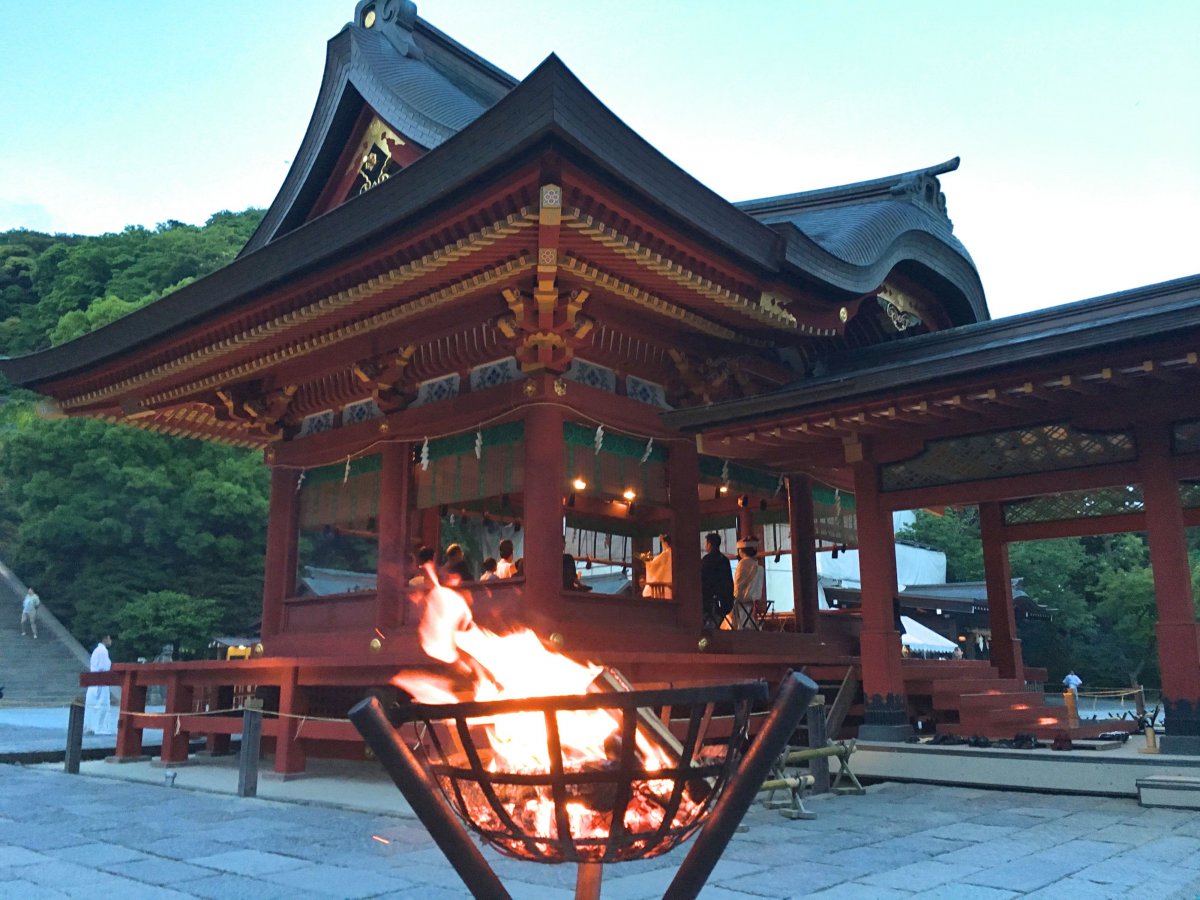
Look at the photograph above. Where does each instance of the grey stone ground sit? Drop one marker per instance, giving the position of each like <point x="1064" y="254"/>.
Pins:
<point x="78" y="836"/>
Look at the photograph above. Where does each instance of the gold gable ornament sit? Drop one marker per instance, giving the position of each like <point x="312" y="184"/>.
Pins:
<point x="374" y="158"/>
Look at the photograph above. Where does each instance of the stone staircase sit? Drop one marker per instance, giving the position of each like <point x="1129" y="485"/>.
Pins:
<point x="42" y="672"/>
<point x="968" y="697"/>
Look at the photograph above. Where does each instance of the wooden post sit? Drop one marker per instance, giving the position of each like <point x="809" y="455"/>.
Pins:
<point x="251" y="744"/>
<point x="130" y="725"/>
<point x="279" y="576"/>
<point x="74" y="739"/>
<point x="290" y="757"/>
<point x="395" y="498"/>
<point x="1006" y="646"/>
<point x="545" y="481"/>
<point x="222" y="697"/>
<point x="818" y="767"/>
<point x="885" y="708"/>
<point x="1177" y="630"/>
<point x="804" y="552"/>
<point x="179" y="702"/>
<point x="683" y="476"/>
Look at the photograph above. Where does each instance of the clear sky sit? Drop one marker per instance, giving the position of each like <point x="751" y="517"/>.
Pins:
<point x="1078" y="121"/>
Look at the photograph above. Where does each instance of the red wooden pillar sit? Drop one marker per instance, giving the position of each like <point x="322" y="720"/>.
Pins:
<point x="175" y="739"/>
<point x="683" y="480"/>
<point x="1177" y="630"/>
<point x="279" y="576"/>
<point x="395" y="498"/>
<point x="130" y="725"/>
<point x="885" y="710"/>
<point x="289" y="753"/>
<point x="804" y="552"/>
<point x="1006" y="646"/>
<point x="545" y="479"/>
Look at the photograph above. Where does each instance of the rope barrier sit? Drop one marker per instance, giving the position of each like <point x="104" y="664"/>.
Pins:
<point x="232" y="709"/>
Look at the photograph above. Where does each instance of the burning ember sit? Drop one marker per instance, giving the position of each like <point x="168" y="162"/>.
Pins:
<point x="543" y="758"/>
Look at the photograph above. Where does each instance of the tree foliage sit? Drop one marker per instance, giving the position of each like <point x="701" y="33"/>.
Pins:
<point x="98" y="514"/>
<point x="120" y="529"/>
<point x="154" y="619"/>
<point x="90" y="281"/>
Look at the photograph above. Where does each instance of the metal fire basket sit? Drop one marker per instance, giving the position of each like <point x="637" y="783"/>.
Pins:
<point x="704" y="783"/>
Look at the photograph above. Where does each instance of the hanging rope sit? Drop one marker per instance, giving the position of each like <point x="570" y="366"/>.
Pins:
<point x="579" y="416"/>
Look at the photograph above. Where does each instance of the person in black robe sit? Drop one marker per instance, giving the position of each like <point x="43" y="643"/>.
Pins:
<point x="716" y="582"/>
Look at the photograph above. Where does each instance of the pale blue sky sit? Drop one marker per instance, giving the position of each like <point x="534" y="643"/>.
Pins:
<point x="1077" y="122"/>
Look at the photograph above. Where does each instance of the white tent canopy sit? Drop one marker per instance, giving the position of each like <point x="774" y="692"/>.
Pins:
<point x="917" y="637"/>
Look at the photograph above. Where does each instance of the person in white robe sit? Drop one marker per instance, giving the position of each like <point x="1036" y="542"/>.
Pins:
<point x="658" y="572"/>
<point x="98" y="715"/>
<point x="747" y="584"/>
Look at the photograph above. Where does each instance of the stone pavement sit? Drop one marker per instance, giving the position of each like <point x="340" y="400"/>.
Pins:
<point x="44" y="730"/>
<point x="75" y="836"/>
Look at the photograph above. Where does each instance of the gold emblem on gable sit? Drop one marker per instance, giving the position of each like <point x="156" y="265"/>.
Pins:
<point x="374" y="157"/>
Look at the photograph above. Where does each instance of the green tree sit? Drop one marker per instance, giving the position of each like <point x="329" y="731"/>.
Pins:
<point x="61" y="284"/>
<point x="97" y="514"/>
<point x="955" y="533"/>
<point x="155" y="618"/>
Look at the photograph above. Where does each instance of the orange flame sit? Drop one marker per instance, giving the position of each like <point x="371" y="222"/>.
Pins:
<point x="518" y="665"/>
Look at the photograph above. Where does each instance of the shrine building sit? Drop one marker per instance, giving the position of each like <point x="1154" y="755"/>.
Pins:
<point x="483" y="310"/>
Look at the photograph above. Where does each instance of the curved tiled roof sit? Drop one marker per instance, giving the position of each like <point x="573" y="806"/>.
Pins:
<point x="429" y="108"/>
<point x="873" y="225"/>
<point x="862" y="233"/>
<point x="421" y="82"/>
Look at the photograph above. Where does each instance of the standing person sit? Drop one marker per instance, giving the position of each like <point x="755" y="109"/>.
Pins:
<point x="489" y="569"/>
<point x="747" y="583"/>
<point x="97" y="714"/>
<point x="1073" y="681"/>
<point x="29" y="607"/>
<point x="658" y="572"/>
<point x="505" y="567"/>
<point x="716" y="582"/>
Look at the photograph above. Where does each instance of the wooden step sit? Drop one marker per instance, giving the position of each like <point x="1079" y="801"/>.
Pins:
<point x="1006" y="730"/>
<point x="925" y="668"/>
<point x="992" y="699"/>
<point x="1173" y="791"/>
<point x="957" y="686"/>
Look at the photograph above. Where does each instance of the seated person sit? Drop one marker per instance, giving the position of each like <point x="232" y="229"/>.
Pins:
<point x="658" y="572"/>
<point x="456" y="563"/>
<point x="425" y="556"/>
<point x="571" y="579"/>
<point x="747" y="584"/>
<point x="505" y="567"/>
<point x="489" y="570"/>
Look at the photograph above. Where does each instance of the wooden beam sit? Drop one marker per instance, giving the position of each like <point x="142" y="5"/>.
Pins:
<point x="1012" y="488"/>
<point x="1086" y="526"/>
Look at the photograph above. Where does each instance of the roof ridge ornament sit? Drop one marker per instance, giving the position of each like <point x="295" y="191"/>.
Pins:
<point x="394" y="19"/>
<point x="924" y="187"/>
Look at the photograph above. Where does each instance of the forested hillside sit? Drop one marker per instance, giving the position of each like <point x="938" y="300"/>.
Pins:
<point x="159" y="539"/>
